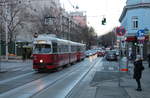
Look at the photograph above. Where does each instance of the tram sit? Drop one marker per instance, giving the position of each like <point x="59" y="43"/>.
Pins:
<point x="51" y="52"/>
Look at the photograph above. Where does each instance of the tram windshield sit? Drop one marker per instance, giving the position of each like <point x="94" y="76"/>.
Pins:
<point x="42" y="48"/>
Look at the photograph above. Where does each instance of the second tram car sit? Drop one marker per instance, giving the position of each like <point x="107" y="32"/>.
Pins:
<point x="51" y="52"/>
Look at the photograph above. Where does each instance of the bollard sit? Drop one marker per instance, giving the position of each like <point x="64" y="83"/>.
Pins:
<point x="124" y="64"/>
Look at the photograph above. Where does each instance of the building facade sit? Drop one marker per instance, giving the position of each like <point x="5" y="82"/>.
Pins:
<point x="135" y="17"/>
<point x="40" y="16"/>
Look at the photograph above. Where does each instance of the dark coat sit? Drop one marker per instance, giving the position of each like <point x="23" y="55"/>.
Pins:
<point x="138" y="68"/>
<point x="148" y="57"/>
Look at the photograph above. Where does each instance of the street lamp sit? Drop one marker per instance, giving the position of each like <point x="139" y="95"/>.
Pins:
<point x="6" y="31"/>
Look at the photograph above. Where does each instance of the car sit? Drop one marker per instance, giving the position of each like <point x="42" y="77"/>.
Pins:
<point x="88" y="53"/>
<point x="100" y="53"/>
<point x="111" y="55"/>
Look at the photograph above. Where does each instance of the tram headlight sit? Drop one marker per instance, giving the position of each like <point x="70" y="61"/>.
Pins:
<point x="41" y="61"/>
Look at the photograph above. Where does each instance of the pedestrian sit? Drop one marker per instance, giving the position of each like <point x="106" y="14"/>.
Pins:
<point x="148" y="60"/>
<point x="24" y="54"/>
<point x="138" y="68"/>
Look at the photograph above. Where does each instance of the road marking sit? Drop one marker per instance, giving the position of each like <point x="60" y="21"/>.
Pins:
<point x="26" y="69"/>
<point x="16" y="69"/>
<point x="17" y="77"/>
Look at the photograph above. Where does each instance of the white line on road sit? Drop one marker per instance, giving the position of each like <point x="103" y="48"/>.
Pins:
<point x="17" y="77"/>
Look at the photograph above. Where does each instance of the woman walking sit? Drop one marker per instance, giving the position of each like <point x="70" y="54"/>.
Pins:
<point x="138" y="68"/>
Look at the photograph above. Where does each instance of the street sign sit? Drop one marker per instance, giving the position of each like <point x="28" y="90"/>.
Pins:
<point x="140" y="35"/>
<point x="120" y="31"/>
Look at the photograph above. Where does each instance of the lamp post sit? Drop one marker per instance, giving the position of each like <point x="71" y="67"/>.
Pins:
<point x="6" y="31"/>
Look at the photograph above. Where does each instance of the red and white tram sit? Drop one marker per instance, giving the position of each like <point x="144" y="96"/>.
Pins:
<point x="51" y="52"/>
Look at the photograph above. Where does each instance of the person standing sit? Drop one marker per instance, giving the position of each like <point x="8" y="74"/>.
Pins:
<point x="138" y="68"/>
<point x="24" y="54"/>
<point x="148" y="60"/>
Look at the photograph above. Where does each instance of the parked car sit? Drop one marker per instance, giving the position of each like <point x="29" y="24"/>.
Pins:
<point x="111" y="55"/>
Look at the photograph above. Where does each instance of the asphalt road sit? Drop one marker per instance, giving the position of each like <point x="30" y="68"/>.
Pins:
<point x="23" y="84"/>
<point x="71" y="82"/>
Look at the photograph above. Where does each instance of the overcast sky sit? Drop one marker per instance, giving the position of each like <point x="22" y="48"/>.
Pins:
<point x="96" y="10"/>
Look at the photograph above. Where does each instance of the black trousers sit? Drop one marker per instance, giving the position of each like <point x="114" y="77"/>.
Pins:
<point x="138" y="83"/>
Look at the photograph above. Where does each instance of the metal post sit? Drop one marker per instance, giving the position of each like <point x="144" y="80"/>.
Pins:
<point x="69" y="29"/>
<point x="6" y="32"/>
<point x="119" y="62"/>
<point x="141" y="50"/>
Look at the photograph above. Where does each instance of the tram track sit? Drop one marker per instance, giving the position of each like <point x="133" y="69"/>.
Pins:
<point x="81" y="79"/>
<point x="62" y="75"/>
<point x="57" y="80"/>
<point x="67" y="89"/>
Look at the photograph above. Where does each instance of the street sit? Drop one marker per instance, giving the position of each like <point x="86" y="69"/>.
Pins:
<point x="74" y="49"/>
<point x="67" y="82"/>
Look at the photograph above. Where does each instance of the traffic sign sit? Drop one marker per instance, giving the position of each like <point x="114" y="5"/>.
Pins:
<point x="141" y="35"/>
<point x="120" y="31"/>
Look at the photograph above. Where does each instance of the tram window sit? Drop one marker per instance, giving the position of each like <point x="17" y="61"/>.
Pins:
<point x="66" y="48"/>
<point x="73" y="48"/>
<point x="42" y="48"/>
<point x="78" y="48"/>
<point x="54" y="47"/>
<point x="60" y="48"/>
<point x="63" y="48"/>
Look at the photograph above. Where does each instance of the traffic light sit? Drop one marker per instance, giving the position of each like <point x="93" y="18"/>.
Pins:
<point x="135" y="43"/>
<point x="104" y="21"/>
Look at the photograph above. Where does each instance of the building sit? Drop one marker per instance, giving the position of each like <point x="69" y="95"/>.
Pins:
<point x="135" y="17"/>
<point x="80" y="17"/>
<point x="38" y="17"/>
<point x="23" y="34"/>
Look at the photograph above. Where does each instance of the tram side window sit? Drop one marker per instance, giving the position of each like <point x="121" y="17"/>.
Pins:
<point x="78" y="48"/>
<point x="63" y="48"/>
<point x="73" y="48"/>
<point x="66" y="48"/>
<point x="60" y="48"/>
<point x="54" y="47"/>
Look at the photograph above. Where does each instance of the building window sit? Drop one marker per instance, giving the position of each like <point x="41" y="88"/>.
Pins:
<point x="135" y="22"/>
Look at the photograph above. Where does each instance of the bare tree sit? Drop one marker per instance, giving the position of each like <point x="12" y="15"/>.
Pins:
<point x="89" y="36"/>
<point x="12" y="13"/>
<point x="38" y="18"/>
<point x="108" y="40"/>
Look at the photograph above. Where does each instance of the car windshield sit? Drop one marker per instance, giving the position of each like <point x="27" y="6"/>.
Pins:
<point x="42" y="48"/>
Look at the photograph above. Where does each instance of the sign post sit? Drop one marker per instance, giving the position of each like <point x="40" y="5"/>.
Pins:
<point x="141" y="38"/>
<point x="120" y="32"/>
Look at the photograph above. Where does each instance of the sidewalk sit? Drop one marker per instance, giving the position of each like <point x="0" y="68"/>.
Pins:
<point x="6" y="66"/>
<point x="110" y="89"/>
<point x="129" y="84"/>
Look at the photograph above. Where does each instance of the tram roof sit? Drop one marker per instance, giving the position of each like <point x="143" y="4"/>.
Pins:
<point x="49" y="39"/>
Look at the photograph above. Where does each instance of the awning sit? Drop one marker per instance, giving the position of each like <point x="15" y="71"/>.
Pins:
<point x="134" y="38"/>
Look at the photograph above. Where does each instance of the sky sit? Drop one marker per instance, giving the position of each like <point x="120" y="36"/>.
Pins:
<point x="96" y="10"/>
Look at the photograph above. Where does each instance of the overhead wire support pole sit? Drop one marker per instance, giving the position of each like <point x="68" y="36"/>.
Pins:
<point x="6" y="30"/>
